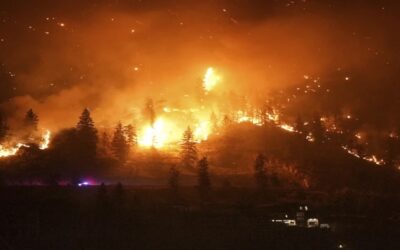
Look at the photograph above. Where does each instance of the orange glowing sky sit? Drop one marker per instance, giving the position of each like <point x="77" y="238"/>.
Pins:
<point x="112" y="55"/>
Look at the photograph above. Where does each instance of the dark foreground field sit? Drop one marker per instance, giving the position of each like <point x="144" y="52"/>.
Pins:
<point x="132" y="218"/>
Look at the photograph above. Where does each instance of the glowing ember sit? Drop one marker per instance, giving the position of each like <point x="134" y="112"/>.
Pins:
<point x="310" y="137"/>
<point x="374" y="159"/>
<point x="274" y="117"/>
<point x="287" y="127"/>
<point x="210" y="79"/>
<point x="371" y="158"/>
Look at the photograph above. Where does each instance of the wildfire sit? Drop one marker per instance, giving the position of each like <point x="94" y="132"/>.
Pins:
<point x="371" y="158"/>
<point x="210" y="79"/>
<point x="45" y="140"/>
<point x="13" y="150"/>
<point x="10" y="151"/>
<point x="274" y="117"/>
<point x="202" y="131"/>
<point x="243" y="117"/>
<point x="154" y="135"/>
<point x="374" y="159"/>
<point x="287" y="128"/>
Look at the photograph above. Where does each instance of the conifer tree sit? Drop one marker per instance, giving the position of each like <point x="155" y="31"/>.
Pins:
<point x="105" y="143"/>
<point x="130" y="135"/>
<point x="119" y="144"/>
<point x="87" y="135"/>
<point x="188" y="149"/>
<point x="226" y="122"/>
<point x="31" y="121"/>
<point x="149" y="111"/>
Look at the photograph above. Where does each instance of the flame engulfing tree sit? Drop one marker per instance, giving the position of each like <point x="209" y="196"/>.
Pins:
<point x="259" y="171"/>
<point x="226" y="122"/>
<point x="31" y="121"/>
<point x="188" y="149"/>
<point x="204" y="183"/>
<point x="87" y="135"/>
<point x="3" y="128"/>
<point x="149" y="111"/>
<point x="119" y="144"/>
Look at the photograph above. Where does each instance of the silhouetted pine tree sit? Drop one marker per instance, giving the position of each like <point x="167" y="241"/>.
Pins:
<point x="188" y="149"/>
<point x="259" y="172"/>
<point x="87" y="135"/>
<point x="31" y="121"/>
<point x="3" y="128"/>
<point x="226" y="122"/>
<point x="105" y="143"/>
<point x="119" y="144"/>
<point x="130" y="135"/>
<point x="149" y="111"/>
<point x="204" y="183"/>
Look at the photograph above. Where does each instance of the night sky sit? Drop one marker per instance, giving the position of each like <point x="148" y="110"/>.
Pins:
<point x="65" y="55"/>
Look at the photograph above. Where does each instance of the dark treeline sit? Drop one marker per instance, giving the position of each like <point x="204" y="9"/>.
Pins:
<point x="242" y="154"/>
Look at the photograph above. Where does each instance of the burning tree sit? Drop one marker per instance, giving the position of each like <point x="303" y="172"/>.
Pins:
<point x="188" y="149"/>
<point x="149" y="111"/>
<point x="119" y="144"/>
<point x="31" y="121"/>
<point x="260" y="174"/>
<point x="226" y="122"/>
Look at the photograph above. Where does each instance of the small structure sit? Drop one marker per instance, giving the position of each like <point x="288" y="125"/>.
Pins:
<point x="300" y="216"/>
<point x="312" y="222"/>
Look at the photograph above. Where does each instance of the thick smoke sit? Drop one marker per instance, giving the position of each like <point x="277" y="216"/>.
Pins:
<point x="111" y="56"/>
